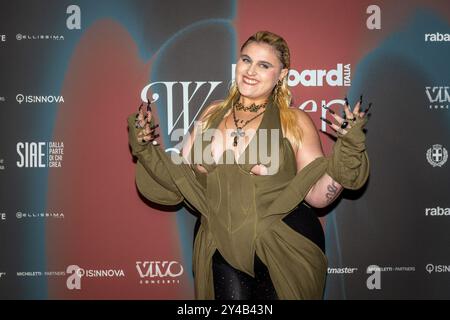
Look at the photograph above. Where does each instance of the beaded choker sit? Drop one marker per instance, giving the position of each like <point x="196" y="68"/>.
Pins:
<point x="252" y="108"/>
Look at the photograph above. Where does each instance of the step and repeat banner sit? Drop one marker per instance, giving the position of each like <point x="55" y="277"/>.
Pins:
<point x="72" y="223"/>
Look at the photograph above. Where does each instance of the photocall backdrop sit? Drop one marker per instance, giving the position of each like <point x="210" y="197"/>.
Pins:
<point x="72" y="223"/>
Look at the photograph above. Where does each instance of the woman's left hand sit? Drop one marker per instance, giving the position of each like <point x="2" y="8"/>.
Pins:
<point x="344" y="124"/>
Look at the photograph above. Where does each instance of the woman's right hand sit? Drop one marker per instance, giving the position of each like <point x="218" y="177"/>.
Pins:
<point x="145" y="123"/>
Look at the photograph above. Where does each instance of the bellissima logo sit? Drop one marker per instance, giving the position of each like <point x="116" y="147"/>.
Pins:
<point x="439" y="97"/>
<point x="21" y="98"/>
<point x="76" y="274"/>
<point x="39" y="215"/>
<point x="437" y="212"/>
<point x="159" y="272"/>
<point x="38" y="37"/>
<point x="437" y="37"/>
<point x="40" y="154"/>
<point x="437" y="155"/>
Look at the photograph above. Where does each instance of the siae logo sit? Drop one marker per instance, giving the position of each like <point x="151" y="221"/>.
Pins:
<point x="74" y="20"/>
<point x="31" y="154"/>
<point x="39" y="154"/>
<point x="374" y="20"/>
<point x="374" y="280"/>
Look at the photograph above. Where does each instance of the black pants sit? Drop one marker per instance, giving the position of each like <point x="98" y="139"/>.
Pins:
<point x="233" y="284"/>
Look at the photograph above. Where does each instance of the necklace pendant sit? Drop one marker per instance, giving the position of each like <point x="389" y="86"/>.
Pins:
<point x="235" y="141"/>
<point x="239" y="132"/>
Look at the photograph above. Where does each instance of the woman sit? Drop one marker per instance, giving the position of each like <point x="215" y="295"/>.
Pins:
<point x="258" y="237"/>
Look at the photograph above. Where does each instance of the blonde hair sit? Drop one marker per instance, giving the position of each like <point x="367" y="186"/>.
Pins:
<point x="281" y="94"/>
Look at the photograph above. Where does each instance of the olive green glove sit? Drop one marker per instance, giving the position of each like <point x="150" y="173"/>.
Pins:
<point x="349" y="163"/>
<point x="152" y="178"/>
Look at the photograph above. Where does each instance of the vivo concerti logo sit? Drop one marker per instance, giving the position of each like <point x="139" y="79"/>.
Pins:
<point x="159" y="272"/>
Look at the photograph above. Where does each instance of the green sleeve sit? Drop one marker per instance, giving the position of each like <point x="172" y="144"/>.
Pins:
<point x="349" y="163"/>
<point x="152" y="177"/>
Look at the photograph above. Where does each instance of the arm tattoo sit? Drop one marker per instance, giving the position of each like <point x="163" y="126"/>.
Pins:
<point x="331" y="192"/>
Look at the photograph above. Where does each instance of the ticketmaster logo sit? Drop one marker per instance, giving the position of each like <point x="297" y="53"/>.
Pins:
<point x="345" y="270"/>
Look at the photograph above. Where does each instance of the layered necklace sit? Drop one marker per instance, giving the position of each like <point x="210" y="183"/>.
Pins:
<point x="240" y="124"/>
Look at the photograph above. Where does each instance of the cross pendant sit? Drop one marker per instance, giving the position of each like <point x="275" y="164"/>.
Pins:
<point x="236" y="134"/>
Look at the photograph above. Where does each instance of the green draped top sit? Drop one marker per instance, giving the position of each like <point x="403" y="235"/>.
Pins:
<point x="241" y="213"/>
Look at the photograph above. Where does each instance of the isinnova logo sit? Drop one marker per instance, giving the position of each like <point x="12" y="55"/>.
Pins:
<point x="76" y="274"/>
<point x="437" y="268"/>
<point x="21" y="98"/>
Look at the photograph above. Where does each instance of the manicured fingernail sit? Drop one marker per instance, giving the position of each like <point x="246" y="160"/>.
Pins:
<point x="327" y="108"/>
<point x="370" y="105"/>
<point x="346" y="101"/>
<point x="326" y="120"/>
<point x="360" y="99"/>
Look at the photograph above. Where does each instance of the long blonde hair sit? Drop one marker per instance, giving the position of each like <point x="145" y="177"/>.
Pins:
<point x="281" y="94"/>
